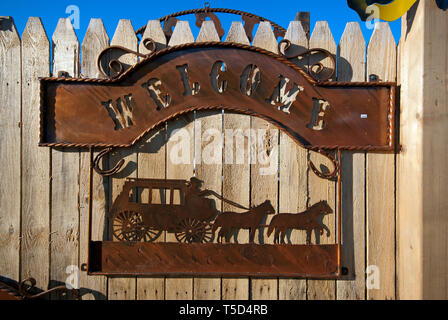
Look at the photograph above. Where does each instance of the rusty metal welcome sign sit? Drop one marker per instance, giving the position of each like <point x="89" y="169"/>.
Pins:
<point x="117" y="112"/>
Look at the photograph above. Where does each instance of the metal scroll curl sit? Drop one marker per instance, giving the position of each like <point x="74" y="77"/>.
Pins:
<point x="105" y="173"/>
<point x="28" y="285"/>
<point x="328" y="176"/>
<point x="115" y="67"/>
<point x="317" y="68"/>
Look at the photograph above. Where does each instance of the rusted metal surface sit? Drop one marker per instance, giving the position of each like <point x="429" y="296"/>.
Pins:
<point x="26" y="290"/>
<point x="8" y="292"/>
<point x="172" y="82"/>
<point x="308" y="220"/>
<point x="211" y="259"/>
<point x="317" y="67"/>
<point x="147" y="207"/>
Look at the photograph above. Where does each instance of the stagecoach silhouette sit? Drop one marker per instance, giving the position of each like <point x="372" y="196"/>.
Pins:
<point x="145" y="208"/>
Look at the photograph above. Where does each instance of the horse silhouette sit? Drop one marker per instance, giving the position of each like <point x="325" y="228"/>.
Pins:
<point x="308" y="220"/>
<point x="251" y="219"/>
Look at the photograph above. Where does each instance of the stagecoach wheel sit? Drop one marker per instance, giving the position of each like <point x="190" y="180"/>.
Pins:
<point x="129" y="226"/>
<point x="191" y="230"/>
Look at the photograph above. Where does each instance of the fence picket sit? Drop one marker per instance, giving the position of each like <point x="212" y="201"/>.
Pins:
<point x="35" y="258"/>
<point x="152" y="164"/>
<point x="208" y="134"/>
<point x="236" y="173"/>
<point x="351" y="67"/>
<point x="321" y="189"/>
<point x="10" y="102"/>
<point x="180" y="288"/>
<point x="264" y="186"/>
<point x="123" y="288"/>
<point x="64" y="171"/>
<point x="293" y="175"/>
<point x="381" y="61"/>
<point x="95" y="40"/>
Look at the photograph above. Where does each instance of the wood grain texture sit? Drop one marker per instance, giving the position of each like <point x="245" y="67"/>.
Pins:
<point x="123" y="288"/>
<point x="321" y="189"/>
<point x="180" y="288"/>
<point x="64" y="171"/>
<point x="236" y="171"/>
<point x="380" y="180"/>
<point x="35" y="258"/>
<point x="422" y="202"/>
<point x="351" y="67"/>
<point x="264" y="168"/>
<point x="152" y="164"/>
<point x="293" y="189"/>
<point x="208" y="164"/>
<point x="10" y="174"/>
<point x="95" y="40"/>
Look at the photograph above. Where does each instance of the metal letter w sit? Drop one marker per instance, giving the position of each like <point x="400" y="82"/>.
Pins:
<point x="120" y="111"/>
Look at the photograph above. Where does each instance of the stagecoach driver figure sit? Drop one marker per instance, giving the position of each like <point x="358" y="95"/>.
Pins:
<point x="196" y="201"/>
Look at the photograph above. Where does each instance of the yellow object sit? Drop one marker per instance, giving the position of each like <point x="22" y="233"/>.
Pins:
<point x="391" y="11"/>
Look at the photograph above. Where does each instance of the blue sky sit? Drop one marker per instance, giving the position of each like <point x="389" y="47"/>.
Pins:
<point x="336" y="12"/>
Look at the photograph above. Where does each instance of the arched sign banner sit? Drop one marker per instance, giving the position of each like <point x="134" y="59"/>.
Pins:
<point x="242" y="79"/>
<point x="118" y="112"/>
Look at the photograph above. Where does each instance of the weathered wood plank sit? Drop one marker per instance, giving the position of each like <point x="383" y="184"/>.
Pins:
<point x="236" y="171"/>
<point x="180" y="152"/>
<point x="123" y="288"/>
<point x="351" y="67"/>
<point x="208" y="165"/>
<point x="293" y="175"/>
<point x="35" y="161"/>
<point x="322" y="38"/>
<point x="95" y="40"/>
<point x="64" y="171"/>
<point x="381" y="61"/>
<point x="410" y="270"/>
<point x="264" y="170"/>
<point x="422" y="200"/>
<point x="10" y="104"/>
<point x="321" y="189"/>
<point x="152" y="164"/>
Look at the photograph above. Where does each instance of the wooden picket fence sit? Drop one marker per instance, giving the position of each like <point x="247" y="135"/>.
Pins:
<point x="44" y="192"/>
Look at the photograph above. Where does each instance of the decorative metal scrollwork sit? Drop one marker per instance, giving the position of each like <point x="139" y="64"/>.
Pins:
<point x="26" y="287"/>
<point x="317" y="67"/>
<point x="115" y="65"/>
<point x="106" y="173"/>
<point x="249" y="19"/>
<point x="329" y="176"/>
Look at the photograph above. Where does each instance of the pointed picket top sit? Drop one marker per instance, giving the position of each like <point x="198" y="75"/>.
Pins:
<point x="381" y="53"/>
<point x="237" y="33"/>
<point x="208" y="32"/>
<point x="125" y="36"/>
<point x="95" y="41"/>
<point x="296" y="34"/>
<point x="322" y="38"/>
<point x="265" y="38"/>
<point x="34" y="34"/>
<point x="65" y="49"/>
<point x="299" y="42"/>
<point x="181" y="34"/>
<point x="9" y="37"/>
<point x="351" y="58"/>
<point x="154" y="32"/>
